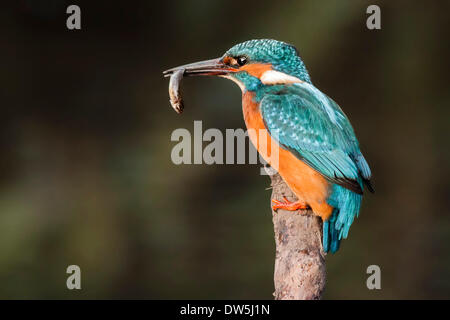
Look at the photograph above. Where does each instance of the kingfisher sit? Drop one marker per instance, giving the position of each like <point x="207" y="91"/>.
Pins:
<point x="318" y="154"/>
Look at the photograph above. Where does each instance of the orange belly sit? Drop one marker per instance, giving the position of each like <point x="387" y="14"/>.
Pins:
<point x="305" y="182"/>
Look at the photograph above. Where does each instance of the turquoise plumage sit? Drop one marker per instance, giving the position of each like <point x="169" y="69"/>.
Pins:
<point x="314" y="128"/>
<point x="277" y="90"/>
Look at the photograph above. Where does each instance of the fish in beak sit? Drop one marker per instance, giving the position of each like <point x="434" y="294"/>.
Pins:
<point x="213" y="67"/>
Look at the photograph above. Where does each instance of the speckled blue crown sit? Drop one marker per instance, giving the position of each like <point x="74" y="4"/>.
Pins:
<point x="283" y="56"/>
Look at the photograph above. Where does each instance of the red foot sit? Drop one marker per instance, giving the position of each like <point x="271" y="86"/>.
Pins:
<point x="288" y="205"/>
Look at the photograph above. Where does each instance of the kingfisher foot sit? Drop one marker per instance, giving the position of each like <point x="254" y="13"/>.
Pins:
<point x="288" y="205"/>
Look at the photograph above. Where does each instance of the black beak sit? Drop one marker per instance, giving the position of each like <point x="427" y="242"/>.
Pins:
<point x="213" y="67"/>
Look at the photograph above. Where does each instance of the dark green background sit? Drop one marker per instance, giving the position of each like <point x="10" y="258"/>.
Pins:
<point x="86" y="176"/>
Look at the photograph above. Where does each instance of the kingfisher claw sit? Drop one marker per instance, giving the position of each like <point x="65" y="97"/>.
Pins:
<point x="288" y="205"/>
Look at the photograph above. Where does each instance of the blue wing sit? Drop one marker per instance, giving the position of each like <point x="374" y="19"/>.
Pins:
<point x="314" y="128"/>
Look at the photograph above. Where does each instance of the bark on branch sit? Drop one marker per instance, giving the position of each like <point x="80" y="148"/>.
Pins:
<point x="300" y="260"/>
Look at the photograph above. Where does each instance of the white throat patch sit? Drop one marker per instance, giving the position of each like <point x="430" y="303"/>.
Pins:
<point x="276" y="77"/>
<point x="240" y="84"/>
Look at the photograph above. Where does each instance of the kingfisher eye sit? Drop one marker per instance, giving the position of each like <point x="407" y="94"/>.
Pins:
<point x="242" y="60"/>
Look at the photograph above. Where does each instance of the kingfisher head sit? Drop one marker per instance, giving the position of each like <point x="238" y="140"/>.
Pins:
<point x="253" y="64"/>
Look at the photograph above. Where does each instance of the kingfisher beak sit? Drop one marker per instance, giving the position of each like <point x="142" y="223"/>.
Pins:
<point x="213" y="67"/>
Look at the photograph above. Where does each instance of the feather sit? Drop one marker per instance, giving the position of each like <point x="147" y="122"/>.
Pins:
<point x="313" y="127"/>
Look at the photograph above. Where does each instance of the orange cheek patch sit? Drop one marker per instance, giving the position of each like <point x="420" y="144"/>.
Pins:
<point x="256" y="69"/>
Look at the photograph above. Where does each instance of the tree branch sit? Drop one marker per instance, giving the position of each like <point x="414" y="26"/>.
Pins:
<point x="300" y="260"/>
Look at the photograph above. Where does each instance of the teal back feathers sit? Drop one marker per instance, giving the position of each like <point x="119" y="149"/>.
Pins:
<point x="313" y="127"/>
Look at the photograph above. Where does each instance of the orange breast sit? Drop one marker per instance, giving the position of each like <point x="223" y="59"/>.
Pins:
<point x="305" y="182"/>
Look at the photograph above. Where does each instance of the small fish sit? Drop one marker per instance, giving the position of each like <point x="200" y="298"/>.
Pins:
<point x="174" y="91"/>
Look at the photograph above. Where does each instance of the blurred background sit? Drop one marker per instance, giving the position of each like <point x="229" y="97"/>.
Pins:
<point x="87" y="178"/>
